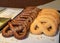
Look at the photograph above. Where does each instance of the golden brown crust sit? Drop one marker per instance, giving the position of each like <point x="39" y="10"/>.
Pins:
<point x="47" y="22"/>
<point x="51" y="11"/>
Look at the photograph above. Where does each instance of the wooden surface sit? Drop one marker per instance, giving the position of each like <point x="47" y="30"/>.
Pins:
<point x="22" y="3"/>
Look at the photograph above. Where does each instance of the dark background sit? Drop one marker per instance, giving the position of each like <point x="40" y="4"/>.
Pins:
<point x="22" y="3"/>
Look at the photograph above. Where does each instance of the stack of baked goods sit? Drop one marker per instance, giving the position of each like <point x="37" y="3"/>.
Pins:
<point x="34" y="20"/>
<point x="19" y="26"/>
<point x="46" y="22"/>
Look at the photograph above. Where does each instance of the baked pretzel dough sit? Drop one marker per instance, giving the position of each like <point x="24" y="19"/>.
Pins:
<point x="18" y="34"/>
<point x="19" y="27"/>
<point x="51" y="11"/>
<point x="6" y="33"/>
<point x="47" y="22"/>
<point x="50" y="27"/>
<point x="43" y="24"/>
<point x="49" y="16"/>
<point x="36" y="27"/>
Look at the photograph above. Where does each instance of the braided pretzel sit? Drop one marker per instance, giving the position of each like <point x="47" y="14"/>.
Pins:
<point x="7" y="32"/>
<point x="19" y="26"/>
<point x="18" y="34"/>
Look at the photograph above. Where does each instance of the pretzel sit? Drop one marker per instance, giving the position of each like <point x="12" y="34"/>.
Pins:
<point x="36" y="27"/>
<point x="51" y="11"/>
<point x="50" y="27"/>
<point x="19" y="26"/>
<point x="49" y="16"/>
<point x="46" y="22"/>
<point x="7" y="31"/>
<point x="19" y="34"/>
<point x="14" y="22"/>
<point x="43" y="25"/>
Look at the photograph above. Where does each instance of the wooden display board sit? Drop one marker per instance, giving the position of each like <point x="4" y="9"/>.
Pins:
<point x="22" y="3"/>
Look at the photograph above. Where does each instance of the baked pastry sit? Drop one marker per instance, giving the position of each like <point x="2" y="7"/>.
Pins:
<point x="19" y="26"/>
<point x="46" y="22"/>
<point x="49" y="25"/>
<point x="36" y="27"/>
<point x="51" y="11"/>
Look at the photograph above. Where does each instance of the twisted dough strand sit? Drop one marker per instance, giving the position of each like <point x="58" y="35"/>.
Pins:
<point x="19" y="26"/>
